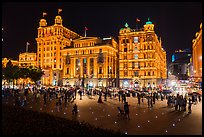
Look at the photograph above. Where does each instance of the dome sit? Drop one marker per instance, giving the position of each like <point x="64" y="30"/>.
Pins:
<point x="148" y="22"/>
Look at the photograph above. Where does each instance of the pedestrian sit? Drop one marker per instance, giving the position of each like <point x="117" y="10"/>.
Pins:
<point x="148" y="101"/>
<point x="45" y="97"/>
<point x="138" y="97"/>
<point x="151" y="101"/>
<point x="199" y="98"/>
<point x="126" y="109"/>
<point x="154" y="97"/>
<point x="100" y="99"/>
<point x="74" y="110"/>
<point x="80" y="93"/>
<point x="189" y="105"/>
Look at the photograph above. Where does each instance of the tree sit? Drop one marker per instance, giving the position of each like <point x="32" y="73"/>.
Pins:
<point x="24" y="74"/>
<point x="35" y="74"/>
<point x="11" y="72"/>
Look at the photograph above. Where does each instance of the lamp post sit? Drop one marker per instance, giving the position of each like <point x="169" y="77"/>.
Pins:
<point x="78" y="69"/>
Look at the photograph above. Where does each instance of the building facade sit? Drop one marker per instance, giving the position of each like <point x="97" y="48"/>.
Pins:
<point x="6" y="60"/>
<point x="142" y="60"/>
<point x="197" y="56"/>
<point x="27" y="59"/>
<point x="50" y="42"/>
<point x="90" y="62"/>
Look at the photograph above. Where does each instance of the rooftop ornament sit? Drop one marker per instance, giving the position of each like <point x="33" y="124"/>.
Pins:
<point x="148" y="22"/>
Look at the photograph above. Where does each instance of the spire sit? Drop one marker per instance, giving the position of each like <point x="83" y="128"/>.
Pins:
<point x="126" y="25"/>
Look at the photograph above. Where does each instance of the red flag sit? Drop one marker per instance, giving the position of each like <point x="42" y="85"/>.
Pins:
<point x="137" y="20"/>
<point x="86" y="28"/>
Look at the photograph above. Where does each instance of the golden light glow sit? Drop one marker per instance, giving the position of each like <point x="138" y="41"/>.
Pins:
<point x="197" y="55"/>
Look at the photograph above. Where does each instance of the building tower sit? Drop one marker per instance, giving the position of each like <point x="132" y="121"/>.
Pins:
<point x="50" y="41"/>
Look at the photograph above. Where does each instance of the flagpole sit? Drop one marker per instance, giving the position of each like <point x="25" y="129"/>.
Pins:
<point x="85" y="32"/>
<point x="26" y="47"/>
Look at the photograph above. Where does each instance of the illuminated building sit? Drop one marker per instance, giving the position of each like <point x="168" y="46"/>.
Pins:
<point x="142" y="60"/>
<point x="27" y="59"/>
<point x="90" y="62"/>
<point x="5" y="61"/>
<point x="50" y="42"/>
<point x="197" y="56"/>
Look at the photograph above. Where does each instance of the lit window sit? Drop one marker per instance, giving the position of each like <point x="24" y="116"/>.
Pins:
<point x="135" y="39"/>
<point x="135" y="49"/>
<point x="136" y="56"/>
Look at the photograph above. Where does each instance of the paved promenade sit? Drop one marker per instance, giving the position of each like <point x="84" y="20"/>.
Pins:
<point x="159" y="120"/>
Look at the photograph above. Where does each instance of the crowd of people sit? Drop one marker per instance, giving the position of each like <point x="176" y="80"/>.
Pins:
<point x="68" y="95"/>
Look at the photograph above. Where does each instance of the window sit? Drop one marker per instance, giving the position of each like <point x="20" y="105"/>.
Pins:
<point x="100" y="50"/>
<point x="125" y="65"/>
<point x="136" y="73"/>
<point x="125" y="56"/>
<point x="54" y="53"/>
<point x="54" y="60"/>
<point x="90" y="51"/>
<point x="125" y="49"/>
<point x="100" y="70"/>
<point x="136" y="56"/>
<point x="135" y="39"/>
<point x="135" y="49"/>
<point x="39" y="49"/>
<point x="148" y="73"/>
<point x="136" y="64"/>
<point x="67" y="70"/>
<point x="54" y="47"/>
<point x="126" y="73"/>
<point x="133" y="65"/>
<point x="39" y="55"/>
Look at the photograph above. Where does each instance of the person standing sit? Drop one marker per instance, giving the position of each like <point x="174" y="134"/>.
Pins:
<point x="189" y="105"/>
<point x="126" y="109"/>
<point x="138" y="97"/>
<point x="45" y="97"/>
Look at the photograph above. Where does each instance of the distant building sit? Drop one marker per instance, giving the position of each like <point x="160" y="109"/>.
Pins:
<point x="180" y="65"/>
<point x="197" y="56"/>
<point x="6" y="60"/>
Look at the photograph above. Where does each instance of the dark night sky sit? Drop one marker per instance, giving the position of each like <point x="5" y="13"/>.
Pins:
<point x="175" y="22"/>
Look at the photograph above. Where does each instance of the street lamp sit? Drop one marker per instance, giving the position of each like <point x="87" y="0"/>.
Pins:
<point x="78" y="70"/>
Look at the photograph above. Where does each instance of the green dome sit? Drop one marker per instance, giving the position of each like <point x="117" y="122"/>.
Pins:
<point x="148" y="22"/>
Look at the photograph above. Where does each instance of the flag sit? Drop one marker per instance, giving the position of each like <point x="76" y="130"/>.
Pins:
<point x="59" y="10"/>
<point x="85" y="30"/>
<point x="137" y="20"/>
<point x="44" y="13"/>
<point x="27" y="43"/>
